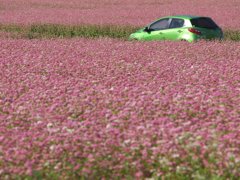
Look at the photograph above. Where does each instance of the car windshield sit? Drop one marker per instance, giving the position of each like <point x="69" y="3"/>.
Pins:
<point x="204" y="23"/>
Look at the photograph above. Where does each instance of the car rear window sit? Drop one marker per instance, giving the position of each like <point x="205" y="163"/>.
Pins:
<point x="204" y="23"/>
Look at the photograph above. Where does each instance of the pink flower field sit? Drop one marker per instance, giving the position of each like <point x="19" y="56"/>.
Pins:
<point x="127" y="12"/>
<point x="117" y="109"/>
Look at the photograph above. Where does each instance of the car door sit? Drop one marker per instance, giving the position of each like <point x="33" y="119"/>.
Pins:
<point x="175" y="30"/>
<point x="156" y="30"/>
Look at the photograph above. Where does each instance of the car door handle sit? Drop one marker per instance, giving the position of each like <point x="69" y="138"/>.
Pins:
<point x="179" y="31"/>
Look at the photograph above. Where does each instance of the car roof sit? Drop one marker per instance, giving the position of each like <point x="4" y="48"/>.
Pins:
<point x="184" y="16"/>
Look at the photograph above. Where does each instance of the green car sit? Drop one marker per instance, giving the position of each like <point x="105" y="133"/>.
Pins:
<point x="181" y="27"/>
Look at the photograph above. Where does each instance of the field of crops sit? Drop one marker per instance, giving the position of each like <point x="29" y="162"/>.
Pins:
<point x="108" y="108"/>
<point x="132" y="12"/>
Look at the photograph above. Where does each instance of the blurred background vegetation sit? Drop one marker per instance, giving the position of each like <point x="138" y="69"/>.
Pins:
<point x="38" y="31"/>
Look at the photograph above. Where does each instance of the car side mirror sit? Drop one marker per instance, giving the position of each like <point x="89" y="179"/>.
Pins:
<point x="147" y="29"/>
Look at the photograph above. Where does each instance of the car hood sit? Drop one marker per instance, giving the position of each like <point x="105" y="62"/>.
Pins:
<point x="137" y="34"/>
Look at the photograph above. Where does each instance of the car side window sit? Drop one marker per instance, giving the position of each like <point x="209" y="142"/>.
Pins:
<point x="160" y="24"/>
<point x="176" y="23"/>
